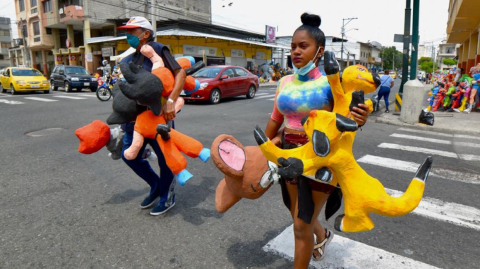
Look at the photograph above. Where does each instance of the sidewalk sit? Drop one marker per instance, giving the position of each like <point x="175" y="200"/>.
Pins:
<point x="445" y="122"/>
<point x="269" y="84"/>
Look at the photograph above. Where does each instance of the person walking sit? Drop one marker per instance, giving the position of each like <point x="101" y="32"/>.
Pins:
<point x="139" y="32"/>
<point x="295" y="97"/>
<point x="386" y="84"/>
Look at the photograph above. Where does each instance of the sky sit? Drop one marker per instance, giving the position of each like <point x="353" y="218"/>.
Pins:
<point x="378" y="20"/>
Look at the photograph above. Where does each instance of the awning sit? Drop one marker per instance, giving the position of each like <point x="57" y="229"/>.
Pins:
<point x="180" y="32"/>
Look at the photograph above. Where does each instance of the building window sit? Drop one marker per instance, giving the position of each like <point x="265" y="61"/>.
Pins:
<point x="450" y="50"/>
<point x="24" y="31"/>
<point x="74" y="2"/>
<point x="21" y="3"/>
<point x="5" y="45"/>
<point x="1" y="57"/>
<point x="47" y="6"/>
<point x="33" y="3"/>
<point x="49" y="31"/>
<point x="36" y="28"/>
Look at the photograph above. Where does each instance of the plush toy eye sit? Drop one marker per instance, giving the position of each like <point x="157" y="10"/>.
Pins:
<point x="361" y="69"/>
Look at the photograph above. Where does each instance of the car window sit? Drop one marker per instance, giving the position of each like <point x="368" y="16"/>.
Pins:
<point x="7" y="73"/>
<point x="76" y="71"/>
<point x="25" y="72"/>
<point x="61" y="68"/>
<point x="207" y="73"/>
<point x="229" y="73"/>
<point x="240" y="72"/>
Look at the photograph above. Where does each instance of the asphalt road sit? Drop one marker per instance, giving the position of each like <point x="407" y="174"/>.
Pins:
<point x="62" y="209"/>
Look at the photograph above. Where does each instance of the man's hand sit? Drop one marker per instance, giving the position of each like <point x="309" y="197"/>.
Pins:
<point x="360" y="114"/>
<point x="169" y="110"/>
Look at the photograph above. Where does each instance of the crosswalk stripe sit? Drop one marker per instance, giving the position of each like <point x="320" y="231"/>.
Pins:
<point x="260" y="94"/>
<point x="412" y="167"/>
<point x="273" y="99"/>
<point x="345" y="253"/>
<point x="86" y="95"/>
<point x="40" y="99"/>
<point x="10" y="102"/>
<point x="466" y="144"/>
<point x="466" y="157"/>
<point x="420" y="138"/>
<point x="438" y="134"/>
<point x="70" y="97"/>
<point x="457" y="214"/>
<point x="266" y="96"/>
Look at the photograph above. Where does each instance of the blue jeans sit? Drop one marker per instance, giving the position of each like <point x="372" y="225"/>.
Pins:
<point x="384" y="92"/>
<point x="163" y="185"/>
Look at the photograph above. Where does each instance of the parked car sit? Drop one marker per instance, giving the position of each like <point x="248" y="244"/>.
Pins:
<point x="21" y="79"/>
<point x="223" y="81"/>
<point x="72" y="77"/>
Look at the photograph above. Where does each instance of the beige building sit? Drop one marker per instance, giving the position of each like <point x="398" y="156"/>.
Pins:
<point x="446" y="51"/>
<point x="463" y="28"/>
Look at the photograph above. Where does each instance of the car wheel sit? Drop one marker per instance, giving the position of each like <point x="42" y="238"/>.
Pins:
<point x="46" y="92"/>
<point x="52" y="86"/>
<point x="12" y="90"/>
<point x="251" y="92"/>
<point x="214" y="96"/>
<point x="67" y="87"/>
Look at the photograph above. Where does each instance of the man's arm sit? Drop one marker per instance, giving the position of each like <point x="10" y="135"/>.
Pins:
<point x="169" y="108"/>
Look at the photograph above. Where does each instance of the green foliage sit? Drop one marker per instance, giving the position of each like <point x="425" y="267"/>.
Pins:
<point x="388" y="54"/>
<point x="449" y="62"/>
<point x="427" y="66"/>
<point x="424" y="59"/>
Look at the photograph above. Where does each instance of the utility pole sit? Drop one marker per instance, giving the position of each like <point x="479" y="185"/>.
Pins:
<point x="416" y="18"/>
<point x="153" y="17"/>
<point x="406" y="45"/>
<point x="343" y="34"/>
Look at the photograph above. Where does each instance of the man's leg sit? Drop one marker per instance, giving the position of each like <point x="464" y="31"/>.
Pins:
<point x="166" y="186"/>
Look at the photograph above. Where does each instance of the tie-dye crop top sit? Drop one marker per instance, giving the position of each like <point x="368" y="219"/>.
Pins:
<point x="297" y="95"/>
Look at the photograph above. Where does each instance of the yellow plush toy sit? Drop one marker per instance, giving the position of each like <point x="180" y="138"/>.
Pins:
<point x="332" y="135"/>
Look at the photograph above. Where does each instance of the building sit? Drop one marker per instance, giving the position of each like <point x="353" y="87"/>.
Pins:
<point x="5" y="41"/>
<point x="55" y="31"/>
<point x="463" y="28"/>
<point x="446" y="51"/>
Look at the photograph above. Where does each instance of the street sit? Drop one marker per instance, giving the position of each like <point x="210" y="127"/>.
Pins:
<point x="62" y="209"/>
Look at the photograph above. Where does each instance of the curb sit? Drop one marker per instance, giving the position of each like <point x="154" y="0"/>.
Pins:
<point x="397" y="122"/>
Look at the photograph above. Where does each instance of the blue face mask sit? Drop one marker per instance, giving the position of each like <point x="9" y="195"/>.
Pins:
<point x="302" y="71"/>
<point x="133" y="40"/>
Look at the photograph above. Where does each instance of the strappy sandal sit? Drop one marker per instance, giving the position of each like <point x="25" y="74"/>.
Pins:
<point x="321" y="246"/>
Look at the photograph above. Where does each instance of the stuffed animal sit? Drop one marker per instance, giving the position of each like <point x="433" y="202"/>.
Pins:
<point x="332" y="135"/>
<point x="96" y="135"/>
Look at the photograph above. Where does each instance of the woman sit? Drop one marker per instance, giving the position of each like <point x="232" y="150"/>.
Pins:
<point x="296" y="96"/>
<point x="386" y="84"/>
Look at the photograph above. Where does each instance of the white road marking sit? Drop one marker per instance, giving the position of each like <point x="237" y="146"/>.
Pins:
<point x="273" y="99"/>
<point x="345" y="253"/>
<point x="412" y="167"/>
<point x="40" y="99"/>
<point x="87" y="95"/>
<point x="260" y="94"/>
<point x="10" y="102"/>
<point x="419" y="138"/>
<point x="461" y="215"/>
<point x="265" y="96"/>
<point x="438" y="134"/>
<point x="466" y="144"/>
<point x="70" y="97"/>
<point x="449" y="154"/>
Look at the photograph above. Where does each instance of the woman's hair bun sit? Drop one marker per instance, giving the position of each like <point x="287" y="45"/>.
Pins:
<point x="311" y="20"/>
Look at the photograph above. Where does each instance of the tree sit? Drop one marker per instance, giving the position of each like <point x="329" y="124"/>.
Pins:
<point x="449" y="62"/>
<point x="427" y="66"/>
<point x="388" y="54"/>
<point x="424" y="59"/>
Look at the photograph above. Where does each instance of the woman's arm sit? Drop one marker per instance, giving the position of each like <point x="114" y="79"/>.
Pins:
<point x="272" y="129"/>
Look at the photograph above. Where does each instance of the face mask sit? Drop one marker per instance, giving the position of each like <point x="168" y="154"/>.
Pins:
<point x="307" y="68"/>
<point x="133" y="40"/>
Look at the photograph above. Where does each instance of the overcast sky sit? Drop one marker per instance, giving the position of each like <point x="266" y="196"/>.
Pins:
<point x="378" y="20"/>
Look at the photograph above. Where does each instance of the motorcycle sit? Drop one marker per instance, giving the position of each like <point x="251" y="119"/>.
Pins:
<point x="105" y="85"/>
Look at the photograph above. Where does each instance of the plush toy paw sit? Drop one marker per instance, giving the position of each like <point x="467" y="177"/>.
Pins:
<point x="330" y="62"/>
<point x="270" y="176"/>
<point x="183" y="177"/>
<point x="204" y="155"/>
<point x="291" y="167"/>
<point x="164" y="131"/>
<point x="130" y="154"/>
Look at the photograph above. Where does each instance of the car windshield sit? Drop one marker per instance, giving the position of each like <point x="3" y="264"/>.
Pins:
<point x="76" y="71"/>
<point x="25" y="72"/>
<point x="207" y="73"/>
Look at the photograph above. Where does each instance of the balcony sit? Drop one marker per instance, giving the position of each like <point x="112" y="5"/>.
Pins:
<point x="71" y="14"/>
<point x="50" y="19"/>
<point x="40" y="42"/>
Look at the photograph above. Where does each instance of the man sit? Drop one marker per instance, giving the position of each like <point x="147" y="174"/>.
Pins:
<point x="139" y="32"/>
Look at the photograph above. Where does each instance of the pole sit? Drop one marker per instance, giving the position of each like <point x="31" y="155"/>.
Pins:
<point x="153" y="19"/>
<point x="343" y="35"/>
<point x="406" y="45"/>
<point x="413" y="62"/>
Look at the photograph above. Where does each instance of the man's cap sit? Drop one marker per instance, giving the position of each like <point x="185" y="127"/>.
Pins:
<point x="137" y="22"/>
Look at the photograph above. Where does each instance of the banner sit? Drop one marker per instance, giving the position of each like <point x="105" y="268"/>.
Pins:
<point x="270" y="32"/>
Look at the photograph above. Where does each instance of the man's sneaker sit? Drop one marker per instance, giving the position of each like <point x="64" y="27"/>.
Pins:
<point x="149" y="201"/>
<point x="161" y="209"/>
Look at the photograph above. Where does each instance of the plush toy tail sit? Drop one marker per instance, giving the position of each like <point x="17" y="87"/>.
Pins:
<point x="93" y="137"/>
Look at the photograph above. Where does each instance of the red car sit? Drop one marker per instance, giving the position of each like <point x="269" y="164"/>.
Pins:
<point x="223" y="81"/>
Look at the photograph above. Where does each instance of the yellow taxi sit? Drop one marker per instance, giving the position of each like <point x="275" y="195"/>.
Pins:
<point x="393" y="74"/>
<point x="21" y="79"/>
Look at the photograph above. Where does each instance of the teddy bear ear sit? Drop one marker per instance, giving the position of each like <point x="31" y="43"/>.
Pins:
<point x="229" y="155"/>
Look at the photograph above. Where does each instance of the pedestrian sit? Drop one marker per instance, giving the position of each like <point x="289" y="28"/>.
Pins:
<point x="140" y="32"/>
<point x="304" y="91"/>
<point x="386" y="84"/>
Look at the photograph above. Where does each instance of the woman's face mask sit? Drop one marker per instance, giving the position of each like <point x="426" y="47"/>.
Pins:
<point x="133" y="40"/>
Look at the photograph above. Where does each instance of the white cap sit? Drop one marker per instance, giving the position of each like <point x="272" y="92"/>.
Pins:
<point x="138" y="22"/>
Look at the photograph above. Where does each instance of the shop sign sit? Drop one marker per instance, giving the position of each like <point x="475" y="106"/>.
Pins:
<point x="97" y="52"/>
<point x="270" y="32"/>
<point x="59" y="58"/>
<point x="107" y="52"/>
<point x="72" y="58"/>
<point x="199" y="50"/>
<point x="89" y="57"/>
<point x="237" y="53"/>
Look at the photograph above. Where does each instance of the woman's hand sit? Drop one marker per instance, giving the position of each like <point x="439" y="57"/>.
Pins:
<point x="360" y="114"/>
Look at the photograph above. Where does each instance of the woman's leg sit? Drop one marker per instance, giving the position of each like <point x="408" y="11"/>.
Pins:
<point x="387" y="103"/>
<point x="303" y="231"/>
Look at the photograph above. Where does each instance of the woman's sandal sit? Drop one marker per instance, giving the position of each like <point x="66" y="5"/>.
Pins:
<point x="320" y="247"/>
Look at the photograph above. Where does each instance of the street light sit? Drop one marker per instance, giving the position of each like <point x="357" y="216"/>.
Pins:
<point x="343" y="33"/>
